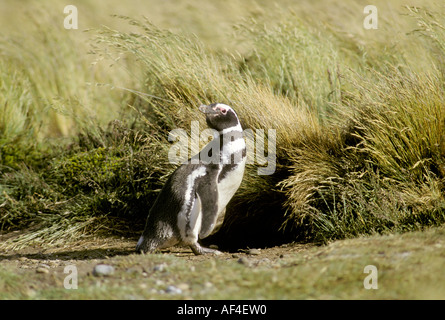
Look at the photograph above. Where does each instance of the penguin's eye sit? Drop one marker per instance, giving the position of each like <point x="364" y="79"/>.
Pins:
<point x="223" y="110"/>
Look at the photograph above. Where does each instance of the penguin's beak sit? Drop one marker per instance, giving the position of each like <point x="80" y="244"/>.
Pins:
<point x="206" y="109"/>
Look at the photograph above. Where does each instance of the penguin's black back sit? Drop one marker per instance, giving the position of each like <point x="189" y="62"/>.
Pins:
<point x="171" y="199"/>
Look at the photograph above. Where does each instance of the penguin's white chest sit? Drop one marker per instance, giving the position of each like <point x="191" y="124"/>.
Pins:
<point x="229" y="184"/>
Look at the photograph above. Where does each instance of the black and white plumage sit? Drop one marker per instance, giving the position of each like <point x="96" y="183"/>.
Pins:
<point x="197" y="193"/>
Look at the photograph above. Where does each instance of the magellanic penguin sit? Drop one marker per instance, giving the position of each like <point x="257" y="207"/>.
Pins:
<point x="197" y="192"/>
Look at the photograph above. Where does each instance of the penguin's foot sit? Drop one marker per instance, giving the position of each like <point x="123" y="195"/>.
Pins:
<point x="198" y="250"/>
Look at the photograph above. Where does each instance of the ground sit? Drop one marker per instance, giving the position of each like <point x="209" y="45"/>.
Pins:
<point x="406" y="266"/>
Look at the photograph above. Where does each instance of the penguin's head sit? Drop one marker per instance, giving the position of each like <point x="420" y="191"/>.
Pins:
<point x="220" y="116"/>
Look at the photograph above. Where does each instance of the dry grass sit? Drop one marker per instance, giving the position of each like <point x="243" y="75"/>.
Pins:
<point x="358" y="116"/>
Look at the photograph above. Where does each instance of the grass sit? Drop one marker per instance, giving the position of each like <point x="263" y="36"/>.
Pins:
<point x="358" y="114"/>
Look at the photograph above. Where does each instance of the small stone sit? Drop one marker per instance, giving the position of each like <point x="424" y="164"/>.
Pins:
<point x="244" y="261"/>
<point x="103" y="270"/>
<point x="183" y="286"/>
<point x="254" y="252"/>
<point x="160" y="267"/>
<point x="214" y="247"/>
<point x="235" y="255"/>
<point x="159" y="282"/>
<point x="30" y="292"/>
<point x="264" y="261"/>
<point x="134" y="270"/>
<point x="173" y="290"/>
<point x="42" y="270"/>
<point x="54" y="263"/>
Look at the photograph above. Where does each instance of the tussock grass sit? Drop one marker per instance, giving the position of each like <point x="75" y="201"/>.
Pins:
<point x="359" y="136"/>
<point x="297" y="61"/>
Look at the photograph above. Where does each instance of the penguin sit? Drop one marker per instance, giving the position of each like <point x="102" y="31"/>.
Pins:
<point x="195" y="195"/>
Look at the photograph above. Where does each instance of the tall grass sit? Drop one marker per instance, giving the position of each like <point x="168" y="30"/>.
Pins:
<point x="359" y="128"/>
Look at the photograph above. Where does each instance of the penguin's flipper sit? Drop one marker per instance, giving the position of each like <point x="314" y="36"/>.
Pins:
<point x="189" y="221"/>
<point x="195" y="216"/>
<point x="195" y="227"/>
<point x="219" y="222"/>
<point x="209" y="203"/>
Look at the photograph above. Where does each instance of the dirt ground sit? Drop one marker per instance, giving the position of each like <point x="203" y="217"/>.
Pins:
<point x="46" y="266"/>
<point x="88" y="253"/>
<point x="410" y="266"/>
